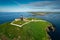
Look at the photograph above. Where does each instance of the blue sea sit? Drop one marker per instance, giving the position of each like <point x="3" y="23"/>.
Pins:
<point x="54" y="18"/>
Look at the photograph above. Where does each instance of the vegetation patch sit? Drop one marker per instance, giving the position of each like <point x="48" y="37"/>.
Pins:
<point x="30" y="31"/>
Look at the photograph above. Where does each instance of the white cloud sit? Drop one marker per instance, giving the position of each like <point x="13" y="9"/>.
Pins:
<point x="45" y="6"/>
<point x="42" y="4"/>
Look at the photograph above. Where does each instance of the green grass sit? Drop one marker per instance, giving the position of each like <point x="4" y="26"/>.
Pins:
<point x="37" y="30"/>
<point x="33" y="18"/>
<point x="31" y="31"/>
<point x="19" y="22"/>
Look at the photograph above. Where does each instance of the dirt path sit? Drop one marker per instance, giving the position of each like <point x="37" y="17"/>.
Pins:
<point x="26" y="23"/>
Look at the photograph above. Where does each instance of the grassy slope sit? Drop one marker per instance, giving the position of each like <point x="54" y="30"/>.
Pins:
<point x="31" y="31"/>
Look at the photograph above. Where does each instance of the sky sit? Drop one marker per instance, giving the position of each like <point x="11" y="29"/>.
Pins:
<point x="29" y="6"/>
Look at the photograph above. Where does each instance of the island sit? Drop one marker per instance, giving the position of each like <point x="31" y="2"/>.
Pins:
<point x="26" y="29"/>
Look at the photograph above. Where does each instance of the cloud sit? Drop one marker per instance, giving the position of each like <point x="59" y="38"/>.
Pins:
<point x="43" y="5"/>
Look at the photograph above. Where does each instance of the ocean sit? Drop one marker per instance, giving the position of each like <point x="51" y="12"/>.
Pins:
<point x="54" y="18"/>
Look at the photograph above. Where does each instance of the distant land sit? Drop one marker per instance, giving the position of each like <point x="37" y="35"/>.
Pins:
<point x="43" y="13"/>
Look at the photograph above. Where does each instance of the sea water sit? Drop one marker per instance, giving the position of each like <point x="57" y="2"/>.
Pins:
<point x="54" y="18"/>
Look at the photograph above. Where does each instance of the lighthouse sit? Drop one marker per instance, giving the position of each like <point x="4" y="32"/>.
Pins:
<point x="22" y="19"/>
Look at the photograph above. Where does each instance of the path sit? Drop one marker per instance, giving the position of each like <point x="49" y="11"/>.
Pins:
<point x="26" y="23"/>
